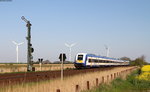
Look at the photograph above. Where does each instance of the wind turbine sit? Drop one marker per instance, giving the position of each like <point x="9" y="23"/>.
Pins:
<point x="70" y="46"/>
<point x="17" y="50"/>
<point x="107" y="50"/>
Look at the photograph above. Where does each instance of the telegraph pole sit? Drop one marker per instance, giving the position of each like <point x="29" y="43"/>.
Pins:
<point x="29" y="46"/>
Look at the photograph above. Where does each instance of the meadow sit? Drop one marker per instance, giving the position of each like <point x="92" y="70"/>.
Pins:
<point x="137" y="81"/>
<point x="9" y="68"/>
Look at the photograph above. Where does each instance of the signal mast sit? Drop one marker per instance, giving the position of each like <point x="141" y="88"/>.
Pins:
<point x="29" y="46"/>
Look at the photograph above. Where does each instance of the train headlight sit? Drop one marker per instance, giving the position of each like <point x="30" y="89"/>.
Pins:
<point x="80" y="61"/>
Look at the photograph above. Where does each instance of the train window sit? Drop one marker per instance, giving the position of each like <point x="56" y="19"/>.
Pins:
<point x="95" y="60"/>
<point x="90" y="60"/>
<point x="80" y="57"/>
<point x="101" y="61"/>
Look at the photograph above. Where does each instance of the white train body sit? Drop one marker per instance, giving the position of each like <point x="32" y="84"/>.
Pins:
<point x="84" y="60"/>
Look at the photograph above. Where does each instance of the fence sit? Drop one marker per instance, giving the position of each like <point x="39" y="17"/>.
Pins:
<point x="102" y="80"/>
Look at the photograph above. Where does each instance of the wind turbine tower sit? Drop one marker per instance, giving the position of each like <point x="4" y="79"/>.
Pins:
<point x="17" y="49"/>
<point x="107" y="50"/>
<point x="70" y="46"/>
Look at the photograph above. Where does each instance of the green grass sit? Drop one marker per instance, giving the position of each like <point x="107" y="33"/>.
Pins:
<point x="131" y="84"/>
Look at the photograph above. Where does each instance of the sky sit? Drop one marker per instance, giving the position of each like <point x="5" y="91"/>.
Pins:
<point x="122" y="25"/>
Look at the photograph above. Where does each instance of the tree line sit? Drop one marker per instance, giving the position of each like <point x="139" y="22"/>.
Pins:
<point x="140" y="61"/>
<point x="55" y="62"/>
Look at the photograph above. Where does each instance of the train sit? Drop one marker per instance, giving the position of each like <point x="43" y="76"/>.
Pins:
<point x="85" y="60"/>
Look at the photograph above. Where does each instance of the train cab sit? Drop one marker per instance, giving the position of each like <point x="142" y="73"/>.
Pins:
<point x="80" y="60"/>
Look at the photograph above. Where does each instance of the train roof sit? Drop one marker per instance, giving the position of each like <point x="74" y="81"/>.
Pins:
<point x="98" y="56"/>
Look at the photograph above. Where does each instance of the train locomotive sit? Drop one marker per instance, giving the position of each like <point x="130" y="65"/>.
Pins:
<point x="84" y="60"/>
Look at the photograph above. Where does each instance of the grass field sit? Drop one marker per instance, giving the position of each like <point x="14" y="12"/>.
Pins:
<point x="131" y="84"/>
<point x="8" y="68"/>
<point x="67" y="85"/>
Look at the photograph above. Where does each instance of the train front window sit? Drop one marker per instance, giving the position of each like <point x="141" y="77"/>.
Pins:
<point x="80" y="57"/>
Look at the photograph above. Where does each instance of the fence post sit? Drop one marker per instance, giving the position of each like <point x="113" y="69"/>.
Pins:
<point x="77" y="88"/>
<point x="111" y="76"/>
<point x="58" y="90"/>
<point x="107" y="78"/>
<point x="96" y="81"/>
<point x="88" y="85"/>
<point x="114" y="75"/>
<point x="102" y="79"/>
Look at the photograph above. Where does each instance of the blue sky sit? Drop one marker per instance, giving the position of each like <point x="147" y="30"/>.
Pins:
<point x="122" y="25"/>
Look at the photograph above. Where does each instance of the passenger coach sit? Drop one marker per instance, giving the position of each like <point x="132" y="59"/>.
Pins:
<point x="84" y="60"/>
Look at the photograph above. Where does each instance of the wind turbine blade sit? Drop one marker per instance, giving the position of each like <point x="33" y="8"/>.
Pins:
<point x="106" y="46"/>
<point x="20" y="43"/>
<point x="67" y="45"/>
<point x="73" y="44"/>
<point x="14" y="42"/>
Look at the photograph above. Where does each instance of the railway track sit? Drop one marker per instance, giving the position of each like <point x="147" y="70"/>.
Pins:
<point x="16" y="78"/>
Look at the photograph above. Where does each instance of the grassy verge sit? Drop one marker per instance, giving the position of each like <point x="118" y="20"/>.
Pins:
<point x="131" y="84"/>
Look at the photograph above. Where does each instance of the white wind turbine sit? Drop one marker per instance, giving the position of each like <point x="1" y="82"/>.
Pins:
<point x="107" y="50"/>
<point x="70" y="46"/>
<point x="17" y="50"/>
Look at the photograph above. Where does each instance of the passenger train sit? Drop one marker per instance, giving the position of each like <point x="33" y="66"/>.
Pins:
<point x="84" y="60"/>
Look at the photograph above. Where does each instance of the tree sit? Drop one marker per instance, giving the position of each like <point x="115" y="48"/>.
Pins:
<point x="46" y="62"/>
<point x="125" y="58"/>
<point x="56" y="62"/>
<point x="139" y="61"/>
